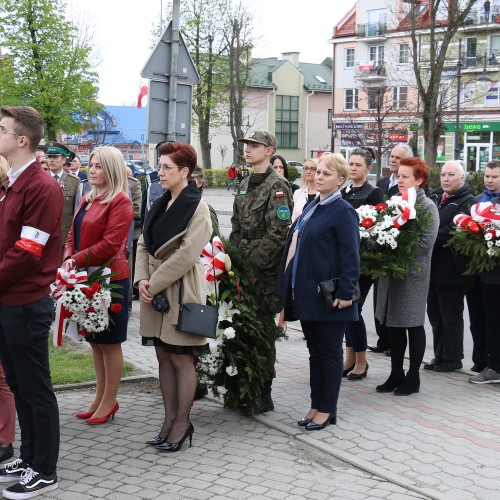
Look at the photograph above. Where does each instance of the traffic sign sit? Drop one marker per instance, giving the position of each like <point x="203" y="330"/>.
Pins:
<point x="158" y="112"/>
<point x="158" y="65"/>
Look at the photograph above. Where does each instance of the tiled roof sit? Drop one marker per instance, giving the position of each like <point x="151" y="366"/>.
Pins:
<point x="262" y="69"/>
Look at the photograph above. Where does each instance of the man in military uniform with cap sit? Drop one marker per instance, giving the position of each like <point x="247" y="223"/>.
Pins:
<point x="57" y="154"/>
<point x="260" y="223"/>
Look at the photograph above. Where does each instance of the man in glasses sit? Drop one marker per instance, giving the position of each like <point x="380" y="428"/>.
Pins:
<point x="57" y="154"/>
<point x="31" y="205"/>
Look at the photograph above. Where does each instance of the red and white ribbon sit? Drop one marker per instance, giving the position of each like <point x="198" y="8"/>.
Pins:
<point x="67" y="279"/>
<point x="409" y="212"/>
<point x="484" y="211"/>
<point x="213" y="257"/>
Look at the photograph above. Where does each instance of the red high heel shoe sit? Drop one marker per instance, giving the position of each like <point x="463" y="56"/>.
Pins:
<point x="103" y="420"/>
<point x="84" y="414"/>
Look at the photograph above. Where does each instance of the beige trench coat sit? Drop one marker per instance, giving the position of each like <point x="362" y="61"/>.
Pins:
<point x="178" y="257"/>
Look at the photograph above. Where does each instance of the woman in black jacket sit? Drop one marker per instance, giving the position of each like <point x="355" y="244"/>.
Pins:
<point x="359" y="192"/>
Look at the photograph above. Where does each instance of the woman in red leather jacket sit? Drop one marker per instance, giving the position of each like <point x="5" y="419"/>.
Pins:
<point x="100" y="229"/>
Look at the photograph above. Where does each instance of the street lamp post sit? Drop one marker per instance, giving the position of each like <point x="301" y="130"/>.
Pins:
<point x="456" y="148"/>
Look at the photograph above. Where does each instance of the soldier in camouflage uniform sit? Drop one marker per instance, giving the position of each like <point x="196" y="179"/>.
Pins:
<point x="260" y="222"/>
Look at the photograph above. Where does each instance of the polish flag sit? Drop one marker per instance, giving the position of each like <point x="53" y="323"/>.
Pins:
<point x="143" y="92"/>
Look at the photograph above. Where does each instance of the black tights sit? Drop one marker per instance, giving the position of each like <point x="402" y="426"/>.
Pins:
<point x="416" y="334"/>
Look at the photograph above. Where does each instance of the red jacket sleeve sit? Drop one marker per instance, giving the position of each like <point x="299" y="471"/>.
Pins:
<point x="115" y="234"/>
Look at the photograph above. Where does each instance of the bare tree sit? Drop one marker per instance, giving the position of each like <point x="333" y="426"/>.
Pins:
<point x="432" y="26"/>
<point x="386" y="111"/>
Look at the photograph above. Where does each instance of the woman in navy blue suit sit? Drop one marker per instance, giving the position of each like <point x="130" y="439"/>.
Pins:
<point x="323" y="244"/>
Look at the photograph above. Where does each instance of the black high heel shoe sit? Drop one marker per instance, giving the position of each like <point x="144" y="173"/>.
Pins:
<point x="313" y="426"/>
<point x="349" y="370"/>
<point x="303" y="422"/>
<point x="171" y="447"/>
<point x="358" y="376"/>
<point x="156" y="440"/>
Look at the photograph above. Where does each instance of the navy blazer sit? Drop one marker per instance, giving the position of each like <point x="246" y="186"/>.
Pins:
<point x="329" y="248"/>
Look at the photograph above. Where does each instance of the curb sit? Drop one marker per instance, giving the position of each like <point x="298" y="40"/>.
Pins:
<point x="91" y="383"/>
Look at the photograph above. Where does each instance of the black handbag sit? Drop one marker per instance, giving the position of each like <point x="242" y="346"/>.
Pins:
<point x="197" y="319"/>
<point x="328" y="291"/>
<point x="160" y="303"/>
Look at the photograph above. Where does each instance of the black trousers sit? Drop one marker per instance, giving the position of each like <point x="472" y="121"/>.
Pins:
<point x="355" y="335"/>
<point x="477" y="324"/>
<point x="24" y="332"/>
<point x="445" y="308"/>
<point x="324" y="341"/>
<point x="490" y="295"/>
<point x="383" y="333"/>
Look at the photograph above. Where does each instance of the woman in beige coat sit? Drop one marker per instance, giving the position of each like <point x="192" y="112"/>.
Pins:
<point x="176" y="230"/>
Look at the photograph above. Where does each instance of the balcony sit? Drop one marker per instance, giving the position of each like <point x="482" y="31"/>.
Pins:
<point x="370" y="71"/>
<point x="372" y="32"/>
<point x="474" y="63"/>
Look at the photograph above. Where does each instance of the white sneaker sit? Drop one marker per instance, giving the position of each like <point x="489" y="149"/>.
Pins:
<point x="487" y="376"/>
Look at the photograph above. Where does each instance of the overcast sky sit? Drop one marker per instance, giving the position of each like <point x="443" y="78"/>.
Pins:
<point x="122" y="35"/>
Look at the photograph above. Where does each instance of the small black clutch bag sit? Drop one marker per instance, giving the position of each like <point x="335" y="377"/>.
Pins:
<point x="160" y="303"/>
<point x="328" y="291"/>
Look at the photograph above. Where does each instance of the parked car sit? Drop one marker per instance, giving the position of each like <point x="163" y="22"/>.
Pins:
<point x="138" y="167"/>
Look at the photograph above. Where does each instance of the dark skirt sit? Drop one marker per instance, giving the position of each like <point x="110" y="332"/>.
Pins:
<point x="188" y="350"/>
<point x="117" y="331"/>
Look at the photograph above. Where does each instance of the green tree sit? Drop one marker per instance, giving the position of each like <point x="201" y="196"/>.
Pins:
<point x="48" y="64"/>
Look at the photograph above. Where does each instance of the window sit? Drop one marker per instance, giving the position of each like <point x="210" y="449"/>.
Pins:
<point x="400" y="97"/>
<point x="377" y="20"/>
<point x="351" y="99"/>
<point x="470" y="51"/>
<point x="349" y="58"/>
<point x="377" y="54"/>
<point x="404" y="52"/>
<point x="287" y="121"/>
<point x="374" y="98"/>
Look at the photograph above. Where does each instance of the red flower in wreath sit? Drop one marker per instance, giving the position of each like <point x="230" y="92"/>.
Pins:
<point x="116" y="308"/>
<point x="96" y="287"/>
<point x="367" y="222"/>
<point x="474" y="227"/>
<point x="90" y="310"/>
<point x="380" y="206"/>
<point x="84" y="333"/>
<point x="68" y="314"/>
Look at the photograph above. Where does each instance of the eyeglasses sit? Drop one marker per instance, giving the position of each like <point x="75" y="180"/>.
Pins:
<point x="4" y="131"/>
<point x="310" y="169"/>
<point x="166" y="168"/>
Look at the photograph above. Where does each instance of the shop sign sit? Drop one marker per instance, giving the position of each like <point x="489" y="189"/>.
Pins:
<point x="398" y="137"/>
<point x="348" y="126"/>
<point x="474" y="127"/>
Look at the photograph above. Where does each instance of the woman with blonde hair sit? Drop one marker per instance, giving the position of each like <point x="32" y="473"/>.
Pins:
<point x="322" y="246"/>
<point x="4" y="168"/>
<point x="99" y="234"/>
<point x="307" y="192"/>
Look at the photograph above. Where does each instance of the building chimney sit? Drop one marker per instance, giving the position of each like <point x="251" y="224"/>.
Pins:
<point x="293" y="57"/>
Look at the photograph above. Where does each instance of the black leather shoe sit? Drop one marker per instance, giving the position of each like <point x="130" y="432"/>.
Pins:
<point x="358" y="376"/>
<point x="313" y="426"/>
<point x="432" y="363"/>
<point x="303" y="422"/>
<point x="376" y="348"/>
<point x="6" y="453"/>
<point x="392" y="382"/>
<point x="448" y="366"/>
<point x="156" y="441"/>
<point x="349" y="370"/>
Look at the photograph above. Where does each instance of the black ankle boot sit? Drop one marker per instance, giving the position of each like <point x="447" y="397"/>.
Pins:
<point x="410" y="385"/>
<point x="394" y="380"/>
